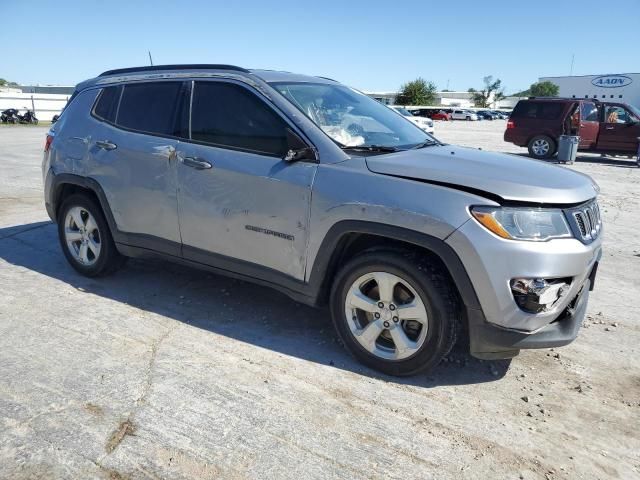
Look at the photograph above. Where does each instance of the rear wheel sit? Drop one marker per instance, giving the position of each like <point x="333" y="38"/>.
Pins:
<point x="395" y="311"/>
<point x="542" y="147"/>
<point x="85" y="237"/>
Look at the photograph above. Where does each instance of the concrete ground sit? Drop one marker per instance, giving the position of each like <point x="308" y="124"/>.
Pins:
<point x="160" y="371"/>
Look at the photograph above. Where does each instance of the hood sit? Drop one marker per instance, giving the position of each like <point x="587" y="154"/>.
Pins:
<point x="510" y="177"/>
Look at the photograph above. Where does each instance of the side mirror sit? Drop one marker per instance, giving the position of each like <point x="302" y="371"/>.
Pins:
<point x="297" y="149"/>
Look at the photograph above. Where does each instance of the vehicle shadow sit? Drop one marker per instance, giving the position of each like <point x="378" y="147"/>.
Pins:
<point x="249" y="313"/>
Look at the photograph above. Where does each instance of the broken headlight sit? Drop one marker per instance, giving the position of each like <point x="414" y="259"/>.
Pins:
<point x="515" y="223"/>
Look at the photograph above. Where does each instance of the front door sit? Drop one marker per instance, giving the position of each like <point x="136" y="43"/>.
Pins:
<point x="133" y="160"/>
<point x="620" y="129"/>
<point x="240" y="205"/>
<point x="589" y="125"/>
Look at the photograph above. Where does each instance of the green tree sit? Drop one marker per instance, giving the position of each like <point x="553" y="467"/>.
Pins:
<point x="492" y="91"/>
<point x="417" y="92"/>
<point x="544" y="89"/>
<point x="3" y="82"/>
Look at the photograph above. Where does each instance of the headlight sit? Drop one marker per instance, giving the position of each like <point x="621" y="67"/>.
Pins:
<point x="533" y="224"/>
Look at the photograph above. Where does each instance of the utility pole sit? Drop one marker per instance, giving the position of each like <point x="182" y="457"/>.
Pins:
<point x="573" y="57"/>
<point x="150" y="59"/>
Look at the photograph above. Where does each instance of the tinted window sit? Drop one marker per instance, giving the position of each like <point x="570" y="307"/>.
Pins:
<point x="150" y="107"/>
<point x="229" y="115"/>
<point x="589" y="112"/>
<point x="539" y="110"/>
<point x="107" y="104"/>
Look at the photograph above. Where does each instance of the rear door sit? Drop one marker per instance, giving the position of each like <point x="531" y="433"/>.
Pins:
<point x="237" y="198"/>
<point x="133" y="159"/>
<point x="589" y="125"/>
<point x="619" y="130"/>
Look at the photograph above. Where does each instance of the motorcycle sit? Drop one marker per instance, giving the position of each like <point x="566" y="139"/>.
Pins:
<point x="28" y="117"/>
<point x="10" y="115"/>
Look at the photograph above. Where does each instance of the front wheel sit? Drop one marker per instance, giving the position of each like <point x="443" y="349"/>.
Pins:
<point x="542" y="147"/>
<point x="395" y="311"/>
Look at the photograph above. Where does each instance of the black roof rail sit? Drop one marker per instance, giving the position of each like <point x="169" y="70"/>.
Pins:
<point x="188" y="66"/>
<point x="327" y="78"/>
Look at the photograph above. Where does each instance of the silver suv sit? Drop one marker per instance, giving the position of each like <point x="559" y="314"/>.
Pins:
<point x="311" y="187"/>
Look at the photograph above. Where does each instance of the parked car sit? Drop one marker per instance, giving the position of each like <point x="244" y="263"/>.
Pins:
<point x="310" y="187"/>
<point x="464" y="115"/>
<point x="604" y="127"/>
<point x="501" y="114"/>
<point x="486" y="115"/>
<point x="425" y="124"/>
<point x="432" y="113"/>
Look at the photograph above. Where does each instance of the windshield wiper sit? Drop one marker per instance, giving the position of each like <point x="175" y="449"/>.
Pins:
<point x="370" y="148"/>
<point x="426" y="143"/>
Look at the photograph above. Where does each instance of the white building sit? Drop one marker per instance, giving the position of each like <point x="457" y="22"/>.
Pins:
<point x="621" y="87"/>
<point x="449" y="99"/>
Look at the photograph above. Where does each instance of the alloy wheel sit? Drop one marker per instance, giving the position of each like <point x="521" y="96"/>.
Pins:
<point x="82" y="236"/>
<point x="386" y="315"/>
<point x="540" y="147"/>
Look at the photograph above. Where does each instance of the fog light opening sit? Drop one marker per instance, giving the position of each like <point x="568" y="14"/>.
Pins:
<point x="537" y="295"/>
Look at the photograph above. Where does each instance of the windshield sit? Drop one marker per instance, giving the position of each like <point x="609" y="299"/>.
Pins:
<point x="403" y="111"/>
<point x="351" y="118"/>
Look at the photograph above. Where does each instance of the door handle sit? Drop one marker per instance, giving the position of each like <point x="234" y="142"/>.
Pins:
<point x="608" y="128"/>
<point x="106" y="145"/>
<point x="196" y="163"/>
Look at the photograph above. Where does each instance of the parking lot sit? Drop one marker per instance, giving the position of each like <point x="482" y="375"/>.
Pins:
<point x="160" y="371"/>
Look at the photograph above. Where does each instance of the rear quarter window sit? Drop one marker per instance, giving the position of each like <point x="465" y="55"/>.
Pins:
<point x="538" y="110"/>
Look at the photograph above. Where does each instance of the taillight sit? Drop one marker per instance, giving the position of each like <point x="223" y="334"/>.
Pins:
<point x="511" y="124"/>
<point x="47" y="143"/>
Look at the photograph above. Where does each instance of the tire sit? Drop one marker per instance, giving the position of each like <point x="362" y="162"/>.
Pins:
<point x="93" y="237"/>
<point x="537" y="147"/>
<point x="422" y="285"/>
<point x="35" y="120"/>
<point x="468" y="119"/>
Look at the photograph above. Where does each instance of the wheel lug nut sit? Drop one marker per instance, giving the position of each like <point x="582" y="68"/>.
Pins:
<point x="392" y="307"/>
<point x="377" y="315"/>
<point x="395" y="319"/>
<point x="386" y="324"/>
<point x="380" y="305"/>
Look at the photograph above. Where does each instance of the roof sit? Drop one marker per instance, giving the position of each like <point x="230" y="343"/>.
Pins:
<point x="271" y="76"/>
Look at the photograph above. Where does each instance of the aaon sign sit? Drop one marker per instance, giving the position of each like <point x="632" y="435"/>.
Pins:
<point x="611" y="81"/>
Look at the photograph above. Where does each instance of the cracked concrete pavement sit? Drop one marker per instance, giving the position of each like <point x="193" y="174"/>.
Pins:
<point x="159" y="371"/>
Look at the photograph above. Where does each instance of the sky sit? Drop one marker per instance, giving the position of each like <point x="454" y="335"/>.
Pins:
<point x="370" y="45"/>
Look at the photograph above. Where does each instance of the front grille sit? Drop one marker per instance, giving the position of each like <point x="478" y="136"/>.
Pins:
<point x="586" y="221"/>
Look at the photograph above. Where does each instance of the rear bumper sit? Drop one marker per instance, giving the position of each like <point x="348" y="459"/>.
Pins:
<point x="490" y="342"/>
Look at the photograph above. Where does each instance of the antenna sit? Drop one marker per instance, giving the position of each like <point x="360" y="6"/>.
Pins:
<point x="150" y="59"/>
<point x="573" y="57"/>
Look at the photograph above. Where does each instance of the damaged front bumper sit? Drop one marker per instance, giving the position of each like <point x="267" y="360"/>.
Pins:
<point x="491" y="342"/>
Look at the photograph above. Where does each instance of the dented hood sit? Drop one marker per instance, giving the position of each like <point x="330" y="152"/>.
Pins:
<point x="510" y="177"/>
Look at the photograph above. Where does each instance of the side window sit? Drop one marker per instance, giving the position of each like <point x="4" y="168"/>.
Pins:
<point x="549" y="111"/>
<point x="589" y="112"/>
<point x="615" y="114"/>
<point x="229" y="115"/>
<point x="150" y="107"/>
<point x="107" y="104"/>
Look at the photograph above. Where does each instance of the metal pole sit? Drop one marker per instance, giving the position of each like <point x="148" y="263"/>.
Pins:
<point x="573" y="57"/>
<point x="33" y="106"/>
<point x="150" y="59"/>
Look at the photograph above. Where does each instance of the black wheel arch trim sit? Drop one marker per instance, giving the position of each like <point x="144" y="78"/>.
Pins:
<point x="328" y="254"/>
